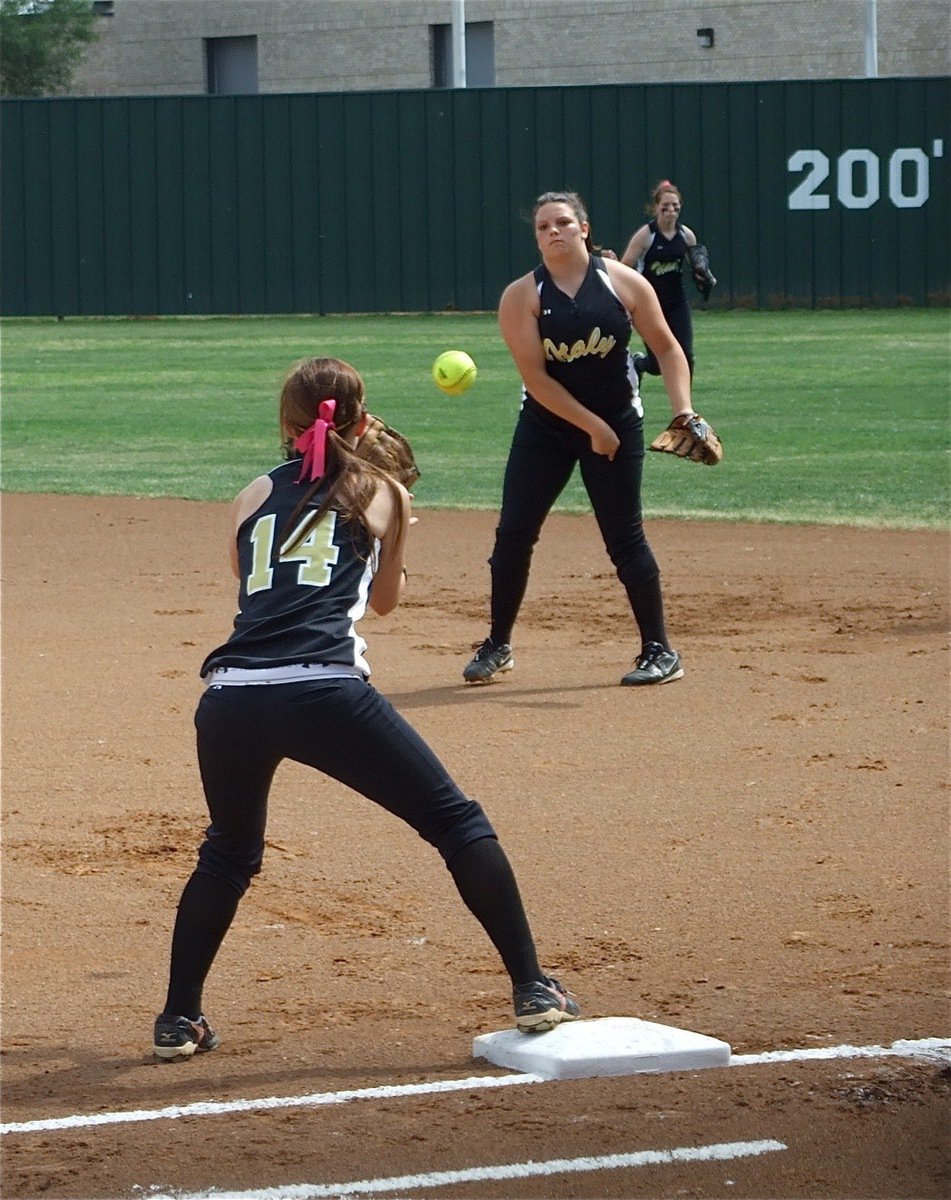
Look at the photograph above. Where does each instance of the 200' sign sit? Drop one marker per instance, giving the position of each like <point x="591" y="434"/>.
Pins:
<point x="859" y="177"/>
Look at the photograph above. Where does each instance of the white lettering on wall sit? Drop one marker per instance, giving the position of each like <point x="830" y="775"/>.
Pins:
<point x="859" y="177"/>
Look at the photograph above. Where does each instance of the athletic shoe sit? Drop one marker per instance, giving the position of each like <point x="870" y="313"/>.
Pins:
<point x="179" y="1037"/>
<point x="655" y="665"/>
<point x="489" y="658"/>
<point x="640" y="366"/>
<point x="541" y="1006"/>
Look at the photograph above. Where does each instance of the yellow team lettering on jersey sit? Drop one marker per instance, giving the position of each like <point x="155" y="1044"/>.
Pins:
<point x="664" y="268"/>
<point x="596" y="344"/>
<point x="316" y="553"/>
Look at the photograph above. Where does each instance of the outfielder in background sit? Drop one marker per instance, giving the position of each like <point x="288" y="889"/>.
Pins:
<point x="658" y="250"/>
<point x="568" y="325"/>
<point x="314" y="541"/>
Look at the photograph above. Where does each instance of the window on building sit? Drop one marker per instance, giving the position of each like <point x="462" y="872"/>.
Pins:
<point x="480" y="54"/>
<point x="231" y="64"/>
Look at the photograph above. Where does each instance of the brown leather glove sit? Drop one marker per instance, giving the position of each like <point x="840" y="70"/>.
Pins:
<point x="690" y="436"/>
<point x="388" y="450"/>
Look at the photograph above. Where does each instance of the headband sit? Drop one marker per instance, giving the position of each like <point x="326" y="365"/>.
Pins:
<point x="313" y="442"/>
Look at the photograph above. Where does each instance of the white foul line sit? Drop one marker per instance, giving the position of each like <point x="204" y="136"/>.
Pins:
<point x="937" y="1048"/>
<point x="214" y="1108"/>
<point x="720" y="1152"/>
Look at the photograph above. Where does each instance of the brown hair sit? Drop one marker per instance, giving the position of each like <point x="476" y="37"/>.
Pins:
<point x="351" y="481"/>
<point x="664" y="186"/>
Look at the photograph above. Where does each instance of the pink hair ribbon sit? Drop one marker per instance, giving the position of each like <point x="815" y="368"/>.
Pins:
<point x="313" y="442"/>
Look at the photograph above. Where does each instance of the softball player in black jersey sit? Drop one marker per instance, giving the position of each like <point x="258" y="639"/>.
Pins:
<point x="567" y="325"/>
<point x="314" y="542"/>
<point x="657" y="250"/>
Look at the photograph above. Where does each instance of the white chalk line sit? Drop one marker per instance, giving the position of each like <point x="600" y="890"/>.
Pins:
<point x="719" y="1152"/>
<point x="933" y="1048"/>
<point x="214" y="1108"/>
<point x="938" y="1049"/>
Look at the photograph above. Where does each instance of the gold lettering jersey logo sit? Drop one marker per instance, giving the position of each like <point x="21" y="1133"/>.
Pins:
<point x="596" y="344"/>
<point x="664" y="268"/>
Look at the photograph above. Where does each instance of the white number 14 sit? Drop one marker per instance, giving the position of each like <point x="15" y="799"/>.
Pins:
<point x="316" y="553"/>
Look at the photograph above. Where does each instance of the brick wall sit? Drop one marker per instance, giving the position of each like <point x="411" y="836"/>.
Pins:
<point x="156" y="47"/>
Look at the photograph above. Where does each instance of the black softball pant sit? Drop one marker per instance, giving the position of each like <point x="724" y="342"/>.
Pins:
<point x="343" y="728"/>
<point x="680" y="320"/>
<point x="541" y="461"/>
<point x="346" y="729"/>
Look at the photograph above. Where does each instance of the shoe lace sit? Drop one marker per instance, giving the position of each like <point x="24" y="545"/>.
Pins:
<point x="650" y="654"/>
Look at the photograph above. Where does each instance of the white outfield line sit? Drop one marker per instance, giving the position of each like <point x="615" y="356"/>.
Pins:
<point x="934" y="1048"/>
<point x="720" y="1152"/>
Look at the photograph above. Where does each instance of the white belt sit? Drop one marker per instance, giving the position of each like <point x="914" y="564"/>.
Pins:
<point x="294" y="673"/>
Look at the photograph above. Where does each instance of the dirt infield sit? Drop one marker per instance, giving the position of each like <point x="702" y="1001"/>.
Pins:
<point x="759" y="852"/>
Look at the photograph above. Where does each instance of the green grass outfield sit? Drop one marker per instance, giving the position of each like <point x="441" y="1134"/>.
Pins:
<point x="827" y="417"/>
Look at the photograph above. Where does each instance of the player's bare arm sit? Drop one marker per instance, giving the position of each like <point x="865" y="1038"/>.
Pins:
<point x="388" y="518"/>
<point x="247" y="501"/>
<point x="636" y="247"/>
<point x="649" y="321"/>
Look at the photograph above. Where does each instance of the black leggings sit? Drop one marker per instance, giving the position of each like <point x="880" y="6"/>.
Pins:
<point x="680" y="320"/>
<point x="543" y="456"/>
<point x="345" y="729"/>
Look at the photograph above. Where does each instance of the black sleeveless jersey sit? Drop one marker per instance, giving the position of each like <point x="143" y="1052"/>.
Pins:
<point x="300" y="607"/>
<point x="585" y="340"/>
<point x="663" y="262"/>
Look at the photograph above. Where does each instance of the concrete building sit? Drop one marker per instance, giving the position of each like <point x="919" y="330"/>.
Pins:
<point x="181" y="47"/>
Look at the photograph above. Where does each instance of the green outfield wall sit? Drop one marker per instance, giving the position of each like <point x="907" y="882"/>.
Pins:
<point x="808" y="194"/>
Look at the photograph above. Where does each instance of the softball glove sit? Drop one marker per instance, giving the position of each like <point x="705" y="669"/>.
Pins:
<point x="690" y="436"/>
<point x="388" y="450"/>
<point x="699" y="259"/>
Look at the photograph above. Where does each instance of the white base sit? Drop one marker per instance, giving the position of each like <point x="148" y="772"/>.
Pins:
<point x="605" y="1046"/>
